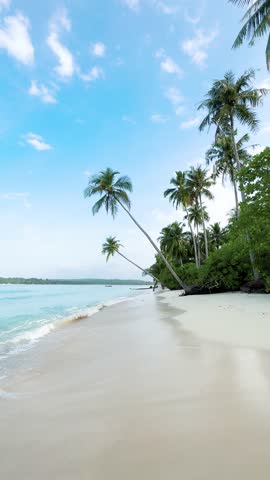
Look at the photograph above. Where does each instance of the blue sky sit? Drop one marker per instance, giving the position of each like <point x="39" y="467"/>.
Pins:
<point x="86" y="85"/>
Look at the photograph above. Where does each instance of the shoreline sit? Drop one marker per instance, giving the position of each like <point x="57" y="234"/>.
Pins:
<point x="24" y="340"/>
<point x="130" y="393"/>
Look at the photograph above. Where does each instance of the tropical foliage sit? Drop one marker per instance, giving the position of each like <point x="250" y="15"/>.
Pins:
<point x="256" y="24"/>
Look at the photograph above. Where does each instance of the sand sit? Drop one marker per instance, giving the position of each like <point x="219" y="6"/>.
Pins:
<point x="132" y="394"/>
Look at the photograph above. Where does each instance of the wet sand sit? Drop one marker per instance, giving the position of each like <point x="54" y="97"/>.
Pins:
<point x="129" y="394"/>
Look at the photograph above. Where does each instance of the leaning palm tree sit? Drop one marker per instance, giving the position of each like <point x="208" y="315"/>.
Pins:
<point x="256" y="24"/>
<point x="113" y="193"/>
<point x="180" y="195"/>
<point x="199" y="183"/>
<point x="221" y="154"/>
<point x="112" y="246"/>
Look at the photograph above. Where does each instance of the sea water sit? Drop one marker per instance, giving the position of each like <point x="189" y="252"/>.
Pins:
<point x="30" y="312"/>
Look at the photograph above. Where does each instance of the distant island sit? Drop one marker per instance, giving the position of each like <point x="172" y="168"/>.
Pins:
<point x="81" y="281"/>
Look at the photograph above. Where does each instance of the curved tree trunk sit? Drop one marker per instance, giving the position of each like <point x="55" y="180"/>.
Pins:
<point x="243" y="196"/>
<point x="204" y="230"/>
<point x="140" y="268"/>
<point x="193" y="238"/>
<point x="174" y="274"/>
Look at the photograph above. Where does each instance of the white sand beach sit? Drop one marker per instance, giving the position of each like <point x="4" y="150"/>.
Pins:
<point x="158" y="387"/>
<point x="236" y="318"/>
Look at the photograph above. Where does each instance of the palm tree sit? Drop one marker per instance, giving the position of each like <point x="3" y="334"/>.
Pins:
<point x="113" y="193"/>
<point x="256" y="24"/>
<point x="173" y="242"/>
<point x="231" y="99"/>
<point x="112" y="246"/>
<point x="196" y="212"/>
<point x="199" y="183"/>
<point x="180" y="195"/>
<point x="216" y="235"/>
<point x="228" y="100"/>
<point x="221" y="153"/>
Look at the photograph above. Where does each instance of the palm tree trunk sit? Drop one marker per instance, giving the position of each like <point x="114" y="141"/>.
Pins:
<point x="198" y="246"/>
<point x="193" y="238"/>
<point x="236" y="197"/>
<point x="174" y="274"/>
<point x="256" y="275"/>
<point x="204" y="230"/>
<point x="140" y="268"/>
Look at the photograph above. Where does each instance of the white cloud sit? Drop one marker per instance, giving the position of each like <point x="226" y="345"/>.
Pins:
<point x="197" y="46"/>
<point x="176" y="99"/>
<point x="24" y="196"/>
<point x="158" y="118"/>
<point x="132" y="4"/>
<point x="193" y="122"/>
<point x="66" y="67"/>
<point x="15" y="38"/>
<point x="87" y="173"/>
<point x="37" y="142"/>
<point x="93" y="75"/>
<point x="4" y="4"/>
<point x="45" y="94"/>
<point x="170" y="66"/>
<point x="98" y="49"/>
<point x="167" y="64"/>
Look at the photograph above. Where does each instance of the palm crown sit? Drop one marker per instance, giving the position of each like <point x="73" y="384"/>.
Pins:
<point x="112" y="190"/>
<point x="199" y="182"/>
<point x="110" y="247"/>
<point x="179" y="193"/>
<point x="231" y="97"/>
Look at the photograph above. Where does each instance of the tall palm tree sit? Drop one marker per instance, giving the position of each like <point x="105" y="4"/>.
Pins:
<point x="221" y="153"/>
<point x="180" y="195"/>
<point x="196" y="212"/>
<point x="112" y="246"/>
<point x="199" y="183"/>
<point x="113" y="193"/>
<point x="231" y="99"/>
<point x="173" y="242"/>
<point x="256" y="24"/>
<point x="228" y="100"/>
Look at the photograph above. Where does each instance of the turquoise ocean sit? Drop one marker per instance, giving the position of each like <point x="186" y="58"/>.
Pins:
<point x="30" y="312"/>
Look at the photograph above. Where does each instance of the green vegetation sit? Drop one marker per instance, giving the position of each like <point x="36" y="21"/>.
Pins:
<point x="211" y="258"/>
<point x="83" y="281"/>
<point x="228" y="266"/>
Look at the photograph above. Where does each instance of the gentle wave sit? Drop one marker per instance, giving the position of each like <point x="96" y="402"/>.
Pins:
<point x="24" y="340"/>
